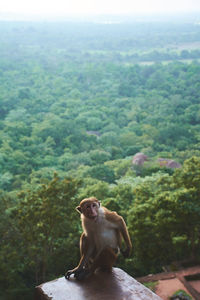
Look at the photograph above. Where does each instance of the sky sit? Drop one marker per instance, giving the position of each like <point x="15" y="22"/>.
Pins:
<point x="79" y="7"/>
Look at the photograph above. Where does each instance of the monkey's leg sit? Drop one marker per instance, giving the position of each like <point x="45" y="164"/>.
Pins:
<point x="105" y="260"/>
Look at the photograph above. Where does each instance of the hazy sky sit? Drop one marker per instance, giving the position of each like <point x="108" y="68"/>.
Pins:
<point x="63" y="7"/>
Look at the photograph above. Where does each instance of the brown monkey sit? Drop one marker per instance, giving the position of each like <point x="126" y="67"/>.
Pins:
<point x="101" y="239"/>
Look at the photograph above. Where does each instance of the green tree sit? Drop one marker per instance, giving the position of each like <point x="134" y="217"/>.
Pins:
<point x="165" y="219"/>
<point x="44" y="229"/>
<point x="101" y="172"/>
<point x="99" y="156"/>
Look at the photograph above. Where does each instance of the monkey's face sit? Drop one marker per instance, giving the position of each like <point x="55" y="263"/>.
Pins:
<point x="90" y="209"/>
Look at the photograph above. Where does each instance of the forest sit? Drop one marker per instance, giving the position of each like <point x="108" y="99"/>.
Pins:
<point x="77" y="102"/>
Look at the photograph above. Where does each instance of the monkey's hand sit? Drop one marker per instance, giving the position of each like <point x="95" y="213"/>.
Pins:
<point x="75" y="271"/>
<point x="79" y="274"/>
<point x="69" y="273"/>
<point x="126" y="253"/>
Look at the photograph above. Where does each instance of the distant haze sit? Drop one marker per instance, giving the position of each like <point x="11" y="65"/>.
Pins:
<point x="89" y="7"/>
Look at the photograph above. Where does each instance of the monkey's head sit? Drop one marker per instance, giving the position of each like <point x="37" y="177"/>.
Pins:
<point x="89" y="207"/>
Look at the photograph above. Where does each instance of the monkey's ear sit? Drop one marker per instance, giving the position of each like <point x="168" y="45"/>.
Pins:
<point x="99" y="202"/>
<point x="78" y="208"/>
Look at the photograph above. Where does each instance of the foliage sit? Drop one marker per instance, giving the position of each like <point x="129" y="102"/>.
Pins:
<point x="42" y="232"/>
<point x="182" y="294"/>
<point x="83" y="101"/>
<point x="80" y="99"/>
<point x="165" y="216"/>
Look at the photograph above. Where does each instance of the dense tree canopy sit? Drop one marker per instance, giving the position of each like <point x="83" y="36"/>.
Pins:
<point x="165" y="217"/>
<point x="77" y="101"/>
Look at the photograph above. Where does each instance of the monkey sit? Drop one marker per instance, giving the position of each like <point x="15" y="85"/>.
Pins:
<point x="101" y="239"/>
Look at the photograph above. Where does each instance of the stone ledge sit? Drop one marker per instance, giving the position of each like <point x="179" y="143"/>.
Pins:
<point x="102" y="286"/>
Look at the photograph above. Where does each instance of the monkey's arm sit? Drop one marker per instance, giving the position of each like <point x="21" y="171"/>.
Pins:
<point x="118" y="222"/>
<point x="86" y="251"/>
<point x="126" y="237"/>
